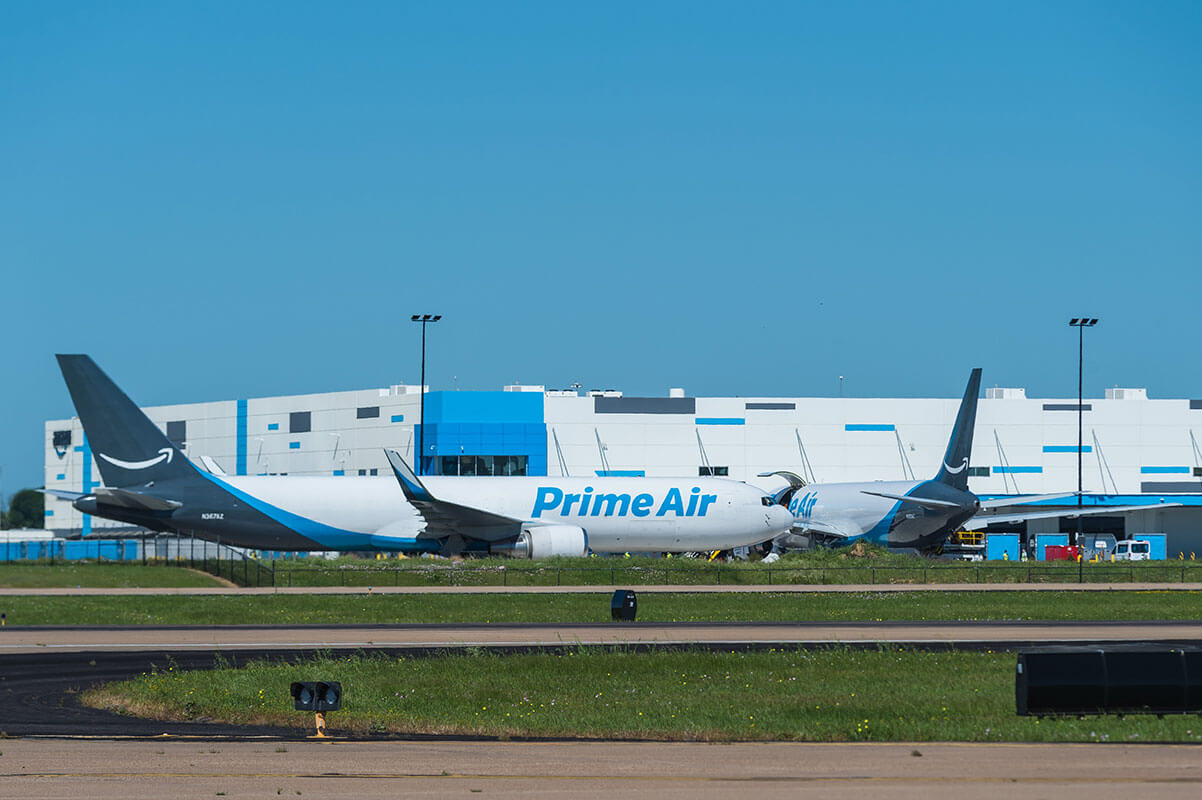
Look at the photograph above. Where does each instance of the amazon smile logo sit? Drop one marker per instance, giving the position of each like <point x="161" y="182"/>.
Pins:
<point x="165" y="454"/>
<point x="956" y="470"/>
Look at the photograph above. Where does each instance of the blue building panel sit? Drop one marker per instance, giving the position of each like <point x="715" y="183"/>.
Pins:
<point x="240" y="438"/>
<point x="485" y="424"/>
<point x="88" y="484"/>
<point x="858" y="426"/>
<point x="520" y="407"/>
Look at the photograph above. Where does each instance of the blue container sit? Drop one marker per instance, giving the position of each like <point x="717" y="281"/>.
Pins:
<point x="1156" y="545"/>
<point x="1042" y="541"/>
<point x="1001" y="547"/>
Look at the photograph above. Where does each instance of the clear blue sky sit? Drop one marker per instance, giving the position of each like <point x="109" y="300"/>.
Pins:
<point x="221" y="200"/>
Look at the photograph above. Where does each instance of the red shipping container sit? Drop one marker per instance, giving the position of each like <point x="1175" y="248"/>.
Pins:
<point x="1061" y="552"/>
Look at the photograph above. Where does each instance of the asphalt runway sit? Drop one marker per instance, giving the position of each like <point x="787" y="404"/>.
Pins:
<point x="120" y="770"/>
<point x="64" y="750"/>
<point x="17" y="639"/>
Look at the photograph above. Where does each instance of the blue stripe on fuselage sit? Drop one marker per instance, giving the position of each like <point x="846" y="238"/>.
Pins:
<point x="879" y="532"/>
<point x="325" y="535"/>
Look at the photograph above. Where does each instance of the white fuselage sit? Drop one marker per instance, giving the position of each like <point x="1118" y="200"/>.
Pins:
<point x="617" y="514"/>
<point x="845" y="507"/>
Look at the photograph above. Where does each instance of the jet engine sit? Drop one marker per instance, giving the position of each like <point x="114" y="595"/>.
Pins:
<point x="545" y="540"/>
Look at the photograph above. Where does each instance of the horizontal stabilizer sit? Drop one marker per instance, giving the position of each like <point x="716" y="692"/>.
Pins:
<point x="981" y="520"/>
<point x="922" y="501"/>
<point x="124" y="498"/>
<point x="63" y="494"/>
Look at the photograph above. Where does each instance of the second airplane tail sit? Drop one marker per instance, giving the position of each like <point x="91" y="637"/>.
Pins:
<point x="954" y="469"/>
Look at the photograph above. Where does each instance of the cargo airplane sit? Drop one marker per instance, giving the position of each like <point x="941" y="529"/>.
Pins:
<point x="911" y="515"/>
<point x="149" y="482"/>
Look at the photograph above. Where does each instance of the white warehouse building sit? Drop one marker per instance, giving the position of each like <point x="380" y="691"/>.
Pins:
<point x="1134" y="446"/>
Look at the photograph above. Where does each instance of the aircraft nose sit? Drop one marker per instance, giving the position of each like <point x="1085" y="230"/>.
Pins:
<point x="779" y="518"/>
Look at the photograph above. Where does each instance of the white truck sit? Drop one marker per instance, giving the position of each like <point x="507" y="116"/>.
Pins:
<point x="1133" y="550"/>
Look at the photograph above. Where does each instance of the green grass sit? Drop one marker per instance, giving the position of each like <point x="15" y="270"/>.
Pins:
<point x="827" y="695"/>
<point x="819" y="567"/>
<point x="235" y="609"/>
<point x="91" y="575"/>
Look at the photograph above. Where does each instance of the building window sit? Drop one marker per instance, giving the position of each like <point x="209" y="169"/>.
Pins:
<point x="362" y="472"/>
<point x="502" y="466"/>
<point x="375" y="472"/>
<point x="300" y="422"/>
<point x="367" y="412"/>
<point x="177" y="432"/>
<point x="705" y="472"/>
<point x="978" y="472"/>
<point x="61" y="441"/>
<point x="1198" y="472"/>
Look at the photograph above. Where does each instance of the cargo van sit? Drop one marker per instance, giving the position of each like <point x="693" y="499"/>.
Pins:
<point x="1133" y="550"/>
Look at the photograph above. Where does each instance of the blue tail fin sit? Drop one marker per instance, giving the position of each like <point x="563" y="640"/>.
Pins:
<point x="954" y="470"/>
<point x="130" y="449"/>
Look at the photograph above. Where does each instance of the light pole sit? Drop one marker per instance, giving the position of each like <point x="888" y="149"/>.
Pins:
<point x="421" y="413"/>
<point x="1080" y="323"/>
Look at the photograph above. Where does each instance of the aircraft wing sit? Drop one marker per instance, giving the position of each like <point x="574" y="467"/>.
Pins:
<point x="922" y="501"/>
<point x="818" y="526"/>
<point x="981" y="520"/>
<point x="1023" y="499"/>
<point x="444" y="518"/>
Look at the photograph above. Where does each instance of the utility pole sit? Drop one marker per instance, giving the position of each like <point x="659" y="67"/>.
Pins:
<point x="1080" y="323"/>
<point x="424" y="319"/>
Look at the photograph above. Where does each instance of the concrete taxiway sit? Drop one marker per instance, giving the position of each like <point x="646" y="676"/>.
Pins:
<point x="77" y="639"/>
<point x="41" y="769"/>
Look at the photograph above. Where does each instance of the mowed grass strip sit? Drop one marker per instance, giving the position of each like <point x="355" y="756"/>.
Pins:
<point x="104" y="576"/>
<point x="818" y="567"/>
<point x="571" y="608"/>
<point x="796" y="695"/>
